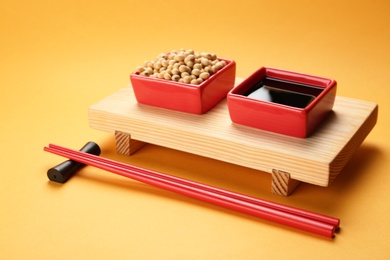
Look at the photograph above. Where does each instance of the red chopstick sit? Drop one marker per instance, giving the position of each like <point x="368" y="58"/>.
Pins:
<point x="301" y="219"/>
<point x="326" y="219"/>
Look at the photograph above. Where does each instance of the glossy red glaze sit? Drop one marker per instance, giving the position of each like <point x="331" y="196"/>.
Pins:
<point x="195" y="99"/>
<point x="282" y="119"/>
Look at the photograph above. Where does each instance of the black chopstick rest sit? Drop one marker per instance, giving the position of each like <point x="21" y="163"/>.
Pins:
<point x="63" y="171"/>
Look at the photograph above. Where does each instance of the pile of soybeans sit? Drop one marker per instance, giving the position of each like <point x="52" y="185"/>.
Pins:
<point x="186" y="66"/>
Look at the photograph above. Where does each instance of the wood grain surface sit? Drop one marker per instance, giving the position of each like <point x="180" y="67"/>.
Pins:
<point x="317" y="159"/>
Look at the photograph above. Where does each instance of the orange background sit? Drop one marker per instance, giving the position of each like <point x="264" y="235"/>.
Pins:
<point x="59" y="57"/>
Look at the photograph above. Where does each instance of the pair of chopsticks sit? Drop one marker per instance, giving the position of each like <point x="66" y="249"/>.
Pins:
<point x="293" y="217"/>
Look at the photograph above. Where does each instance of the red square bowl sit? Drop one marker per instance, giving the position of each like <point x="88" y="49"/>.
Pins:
<point x="190" y="98"/>
<point x="281" y="101"/>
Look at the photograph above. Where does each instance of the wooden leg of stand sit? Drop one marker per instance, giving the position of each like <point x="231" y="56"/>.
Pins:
<point x="125" y="145"/>
<point x="282" y="184"/>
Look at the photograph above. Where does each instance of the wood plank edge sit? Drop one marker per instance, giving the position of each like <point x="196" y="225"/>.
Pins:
<point x="343" y="157"/>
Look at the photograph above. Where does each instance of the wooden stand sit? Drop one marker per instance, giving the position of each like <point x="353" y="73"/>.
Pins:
<point x="317" y="159"/>
<point x="125" y="145"/>
<point x="282" y="183"/>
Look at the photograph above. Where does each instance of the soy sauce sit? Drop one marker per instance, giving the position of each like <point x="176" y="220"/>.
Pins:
<point x="284" y="92"/>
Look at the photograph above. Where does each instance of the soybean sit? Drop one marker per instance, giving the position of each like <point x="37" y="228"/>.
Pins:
<point x="186" y="66"/>
<point x="204" y="75"/>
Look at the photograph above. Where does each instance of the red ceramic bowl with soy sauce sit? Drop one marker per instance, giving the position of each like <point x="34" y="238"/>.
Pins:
<point x="189" y="98"/>
<point x="282" y="101"/>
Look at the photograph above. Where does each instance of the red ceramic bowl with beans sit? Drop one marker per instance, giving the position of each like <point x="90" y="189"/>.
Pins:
<point x="282" y="101"/>
<point x="184" y="97"/>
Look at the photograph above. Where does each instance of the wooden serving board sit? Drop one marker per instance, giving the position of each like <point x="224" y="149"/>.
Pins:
<point x="317" y="159"/>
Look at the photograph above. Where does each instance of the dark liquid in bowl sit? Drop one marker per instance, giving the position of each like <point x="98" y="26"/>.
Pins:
<point x="284" y="92"/>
